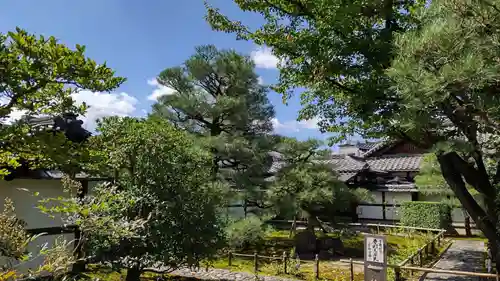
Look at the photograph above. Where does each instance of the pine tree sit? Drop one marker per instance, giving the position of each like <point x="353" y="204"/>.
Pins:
<point x="218" y="97"/>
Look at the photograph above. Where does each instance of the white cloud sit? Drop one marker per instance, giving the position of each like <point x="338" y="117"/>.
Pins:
<point x="99" y="105"/>
<point x="295" y="126"/>
<point x="260" y="80"/>
<point x="14" y="115"/>
<point x="159" y="90"/>
<point x="264" y="58"/>
<point x="104" y="104"/>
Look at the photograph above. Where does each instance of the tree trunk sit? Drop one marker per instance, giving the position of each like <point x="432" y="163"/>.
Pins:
<point x="321" y="225"/>
<point x="294" y="227"/>
<point x="468" y="231"/>
<point x="133" y="274"/>
<point x="453" y="176"/>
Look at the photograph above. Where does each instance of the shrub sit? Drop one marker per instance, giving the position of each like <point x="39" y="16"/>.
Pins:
<point x="426" y="214"/>
<point x="245" y="233"/>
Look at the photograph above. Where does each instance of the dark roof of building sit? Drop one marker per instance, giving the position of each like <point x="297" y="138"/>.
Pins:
<point x="388" y="163"/>
<point x="346" y="163"/>
<point x="396" y="162"/>
<point x="65" y="123"/>
<point x="365" y="146"/>
<point x="44" y="174"/>
<point x="378" y="147"/>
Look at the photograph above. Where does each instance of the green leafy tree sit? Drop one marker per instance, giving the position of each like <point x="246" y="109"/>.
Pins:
<point x="219" y="99"/>
<point x="338" y="51"/>
<point x="448" y="92"/>
<point x="168" y="211"/>
<point x="394" y="68"/>
<point x="38" y="75"/>
<point x="246" y="233"/>
<point x="307" y="185"/>
<point x="430" y="181"/>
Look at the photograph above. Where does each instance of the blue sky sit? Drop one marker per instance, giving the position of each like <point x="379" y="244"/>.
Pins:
<point x="141" y="38"/>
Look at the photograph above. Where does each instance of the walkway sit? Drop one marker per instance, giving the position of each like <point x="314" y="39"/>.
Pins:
<point x="225" y="275"/>
<point x="463" y="255"/>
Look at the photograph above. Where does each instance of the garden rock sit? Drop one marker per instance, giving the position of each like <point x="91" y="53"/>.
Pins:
<point x="305" y="244"/>
<point x="329" y="247"/>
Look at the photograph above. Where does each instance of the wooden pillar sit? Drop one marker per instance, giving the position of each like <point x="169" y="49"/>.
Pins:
<point x="245" y="207"/>
<point x="414" y="196"/>
<point x="383" y="206"/>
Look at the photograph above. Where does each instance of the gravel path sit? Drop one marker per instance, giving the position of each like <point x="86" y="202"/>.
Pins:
<point x="225" y="275"/>
<point x="463" y="255"/>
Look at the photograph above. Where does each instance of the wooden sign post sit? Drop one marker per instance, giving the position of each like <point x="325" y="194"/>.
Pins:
<point x="375" y="258"/>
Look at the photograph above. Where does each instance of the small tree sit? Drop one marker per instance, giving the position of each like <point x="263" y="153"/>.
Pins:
<point x="247" y="232"/>
<point x="162" y="189"/>
<point x="308" y="184"/>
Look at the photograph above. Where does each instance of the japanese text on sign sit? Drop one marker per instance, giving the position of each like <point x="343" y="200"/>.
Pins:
<point x="374" y="249"/>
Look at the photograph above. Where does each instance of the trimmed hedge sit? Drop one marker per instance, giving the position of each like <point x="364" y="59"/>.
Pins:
<point x="426" y="214"/>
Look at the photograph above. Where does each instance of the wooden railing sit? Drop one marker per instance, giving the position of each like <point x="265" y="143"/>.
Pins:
<point x="421" y="254"/>
<point x="369" y="225"/>
<point x="284" y="261"/>
<point x="426" y="270"/>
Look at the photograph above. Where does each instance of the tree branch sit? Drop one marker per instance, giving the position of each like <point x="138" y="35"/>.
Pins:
<point x="454" y="179"/>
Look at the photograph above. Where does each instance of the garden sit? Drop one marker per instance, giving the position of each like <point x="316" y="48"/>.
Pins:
<point x="271" y="252"/>
<point x="169" y="176"/>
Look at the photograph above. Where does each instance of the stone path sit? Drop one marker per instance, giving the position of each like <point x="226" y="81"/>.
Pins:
<point x="225" y="275"/>
<point x="463" y="255"/>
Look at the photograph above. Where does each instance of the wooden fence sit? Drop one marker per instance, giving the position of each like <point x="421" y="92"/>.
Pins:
<point x="422" y="254"/>
<point x="418" y="257"/>
<point x="397" y="268"/>
<point x="377" y="226"/>
<point x="426" y="270"/>
<point x="285" y="259"/>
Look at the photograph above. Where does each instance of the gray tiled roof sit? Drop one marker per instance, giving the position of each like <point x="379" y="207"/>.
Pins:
<point x="366" y="145"/>
<point x="378" y="146"/>
<point x="276" y="166"/>
<point x="345" y="163"/>
<point x="396" y="162"/>
<point x="346" y="176"/>
<point x="54" y="174"/>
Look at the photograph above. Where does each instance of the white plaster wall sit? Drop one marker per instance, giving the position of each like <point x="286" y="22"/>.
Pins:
<point x="369" y="212"/>
<point x="21" y="192"/>
<point x="392" y="213"/>
<point x="36" y="246"/>
<point x="376" y="197"/>
<point x="397" y="197"/>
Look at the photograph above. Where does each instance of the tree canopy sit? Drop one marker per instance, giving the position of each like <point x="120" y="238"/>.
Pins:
<point x="423" y="72"/>
<point x="160" y="210"/>
<point x="338" y="51"/>
<point x="38" y="76"/>
<point x="306" y="185"/>
<point x="218" y="98"/>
